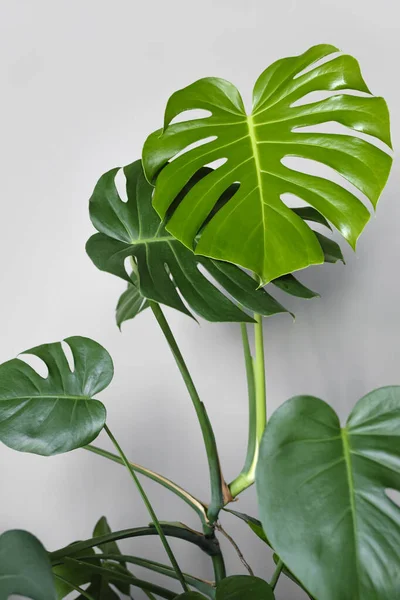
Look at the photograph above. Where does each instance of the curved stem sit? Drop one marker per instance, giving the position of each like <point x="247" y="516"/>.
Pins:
<point x="236" y="547"/>
<point x="149" y="508"/>
<point x="193" y="502"/>
<point x="276" y="575"/>
<point x="219" y="490"/>
<point x="209" y="545"/>
<point x="256" y="383"/>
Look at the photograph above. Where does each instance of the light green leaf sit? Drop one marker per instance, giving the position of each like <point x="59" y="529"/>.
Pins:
<point x="57" y="413"/>
<point x="241" y="587"/>
<point x="322" y="493"/>
<point x="164" y="266"/>
<point x="25" y="567"/>
<point x="255" y="228"/>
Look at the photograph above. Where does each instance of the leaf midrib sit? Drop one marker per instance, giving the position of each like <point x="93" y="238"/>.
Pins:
<point x="254" y="146"/>
<point x="352" y="494"/>
<point x="47" y="397"/>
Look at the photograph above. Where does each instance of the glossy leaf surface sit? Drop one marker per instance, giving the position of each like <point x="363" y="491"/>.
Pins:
<point x="164" y="265"/>
<point x="240" y="587"/>
<point x="130" y="303"/>
<point x="323" y="495"/>
<point x="57" y="413"/>
<point x="25" y="567"/>
<point x="255" y="228"/>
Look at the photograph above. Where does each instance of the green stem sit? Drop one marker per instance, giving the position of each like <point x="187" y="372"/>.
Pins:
<point x="219" y="567"/>
<point x="209" y="545"/>
<point x="276" y="575"/>
<point x="193" y="502"/>
<point x="256" y="383"/>
<point x="219" y="490"/>
<point x="149" y="508"/>
<point x="75" y="587"/>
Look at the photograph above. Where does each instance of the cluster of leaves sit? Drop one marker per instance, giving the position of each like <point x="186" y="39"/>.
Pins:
<point x="191" y="233"/>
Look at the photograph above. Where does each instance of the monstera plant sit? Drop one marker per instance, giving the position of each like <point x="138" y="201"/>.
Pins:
<point x="217" y="218"/>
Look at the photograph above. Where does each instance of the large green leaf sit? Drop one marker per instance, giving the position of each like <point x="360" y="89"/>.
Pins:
<point x="190" y="596"/>
<point x="322" y="493"/>
<point x="164" y="265"/>
<point x="57" y="413"/>
<point x="164" y="270"/>
<point x="255" y="228"/>
<point x="25" y="567"/>
<point x="241" y="587"/>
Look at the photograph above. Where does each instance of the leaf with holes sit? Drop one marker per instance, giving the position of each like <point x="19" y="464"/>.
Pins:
<point x="239" y="587"/>
<point x="25" y="567"/>
<point x="255" y="228"/>
<point x="322" y="494"/>
<point x="57" y="413"/>
<point x="166" y="269"/>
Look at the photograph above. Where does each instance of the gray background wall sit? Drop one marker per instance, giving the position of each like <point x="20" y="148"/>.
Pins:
<point x="82" y="84"/>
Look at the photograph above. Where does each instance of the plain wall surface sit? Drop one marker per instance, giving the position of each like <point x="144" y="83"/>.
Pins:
<point x="82" y="84"/>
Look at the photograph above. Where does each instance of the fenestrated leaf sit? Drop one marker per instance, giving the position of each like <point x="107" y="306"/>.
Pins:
<point x="240" y="587"/>
<point x="255" y="228"/>
<point x="164" y="265"/>
<point x="57" y="413"/>
<point x="322" y="493"/>
<point x="25" y="567"/>
<point x="131" y="302"/>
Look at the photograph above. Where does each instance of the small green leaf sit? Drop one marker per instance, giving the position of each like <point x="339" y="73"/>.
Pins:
<point x="57" y="413"/>
<point x="25" y="567"/>
<point x="254" y="524"/>
<point x="322" y="493"/>
<point x="243" y="587"/>
<point x="131" y="302"/>
<point x="76" y="574"/>
<point x="102" y="528"/>
<point x="255" y="228"/>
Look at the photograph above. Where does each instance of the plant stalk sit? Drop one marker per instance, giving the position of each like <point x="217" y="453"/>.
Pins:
<point x="256" y="384"/>
<point x="149" y="507"/>
<point x="193" y="502"/>
<point x="219" y="490"/>
<point x="277" y="573"/>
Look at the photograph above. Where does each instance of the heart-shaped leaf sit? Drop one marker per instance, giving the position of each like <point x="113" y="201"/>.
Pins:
<point x="25" y="567"/>
<point x="164" y="266"/>
<point x="57" y="413"/>
<point x="255" y="228"/>
<point x="322" y="493"/>
<point x="240" y="587"/>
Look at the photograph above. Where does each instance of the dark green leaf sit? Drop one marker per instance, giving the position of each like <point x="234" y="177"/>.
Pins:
<point x="243" y="587"/>
<point x="254" y="524"/>
<point x="255" y="228"/>
<point x="25" y="568"/>
<point x="102" y="528"/>
<point x="331" y="250"/>
<point x="58" y="413"/>
<point x="164" y="265"/>
<point x="131" y="303"/>
<point x="322" y="492"/>
<point x="78" y="575"/>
